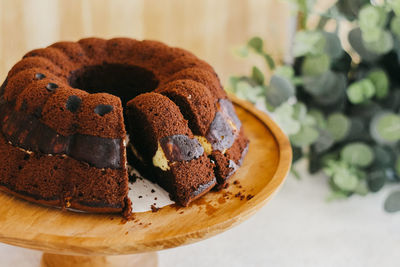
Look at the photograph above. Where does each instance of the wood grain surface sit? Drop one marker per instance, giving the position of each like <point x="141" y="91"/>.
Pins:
<point x="51" y="230"/>
<point x="208" y="28"/>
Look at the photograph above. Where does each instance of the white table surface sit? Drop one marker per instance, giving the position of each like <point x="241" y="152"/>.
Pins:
<point x="296" y="228"/>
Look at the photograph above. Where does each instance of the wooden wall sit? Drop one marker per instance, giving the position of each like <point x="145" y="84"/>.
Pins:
<point x="209" y="28"/>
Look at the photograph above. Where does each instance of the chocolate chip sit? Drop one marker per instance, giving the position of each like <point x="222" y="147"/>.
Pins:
<point x="51" y="86"/>
<point x="73" y="103"/>
<point x="40" y="76"/>
<point x="103" y="109"/>
<point x="181" y="147"/>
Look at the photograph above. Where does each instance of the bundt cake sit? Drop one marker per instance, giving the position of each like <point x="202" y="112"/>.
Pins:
<point x="69" y="111"/>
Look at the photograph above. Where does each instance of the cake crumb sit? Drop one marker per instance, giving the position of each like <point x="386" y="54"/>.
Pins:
<point x="140" y="196"/>
<point x="236" y="182"/>
<point x="249" y="197"/>
<point x="155" y="198"/>
<point x="154" y="208"/>
<point x="153" y="191"/>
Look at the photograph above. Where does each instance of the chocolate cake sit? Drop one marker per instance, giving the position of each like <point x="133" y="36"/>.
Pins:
<point x="66" y="111"/>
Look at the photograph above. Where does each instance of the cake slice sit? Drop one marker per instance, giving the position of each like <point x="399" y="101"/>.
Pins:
<point x="164" y="143"/>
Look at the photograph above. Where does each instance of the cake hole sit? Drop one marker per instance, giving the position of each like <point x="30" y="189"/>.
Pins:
<point x="124" y="81"/>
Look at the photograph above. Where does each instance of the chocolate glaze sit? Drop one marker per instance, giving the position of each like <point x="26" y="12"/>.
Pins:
<point x="228" y="110"/>
<point x="181" y="148"/>
<point x="222" y="134"/>
<point x="101" y="152"/>
<point x="201" y="188"/>
<point x="28" y="132"/>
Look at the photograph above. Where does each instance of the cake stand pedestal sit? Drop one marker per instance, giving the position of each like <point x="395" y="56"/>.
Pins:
<point x="81" y="239"/>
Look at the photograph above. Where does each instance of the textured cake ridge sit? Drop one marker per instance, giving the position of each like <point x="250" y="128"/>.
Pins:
<point x="64" y="105"/>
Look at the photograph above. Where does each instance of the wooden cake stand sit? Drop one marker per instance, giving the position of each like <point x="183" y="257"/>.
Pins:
<point x="81" y="239"/>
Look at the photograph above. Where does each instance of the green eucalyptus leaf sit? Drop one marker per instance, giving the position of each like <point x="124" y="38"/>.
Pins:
<point x="380" y="81"/>
<point x="324" y="142"/>
<point x="382" y="45"/>
<point x="279" y="90"/>
<point x="372" y="35"/>
<point x="270" y="61"/>
<point x="392" y="203"/>
<point x="257" y="75"/>
<point x="299" y="111"/>
<point x="395" y="6"/>
<point x="315" y="64"/>
<point x="256" y="43"/>
<point x="351" y="8"/>
<point x="338" y="125"/>
<point x="395" y="26"/>
<point x="308" y="120"/>
<point x="285" y="71"/>
<point x="334" y="94"/>
<point x="357" y="130"/>
<point x="308" y="42"/>
<point x="362" y="188"/>
<point x="385" y="127"/>
<point x="322" y="84"/>
<point x="384" y="156"/>
<point x="376" y="179"/>
<point x="360" y="91"/>
<point x="342" y="64"/>
<point x="344" y="177"/>
<point x="397" y="166"/>
<point x="371" y="17"/>
<point x="232" y="83"/>
<point x="246" y="91"/>
<point x="357" y="154"/>
<point x="319" y="118"/>
<point x="333" y="47"/>
<point x="283" y="116"/>
<point x="305" y="137"/>
<point x="356" y="41"/>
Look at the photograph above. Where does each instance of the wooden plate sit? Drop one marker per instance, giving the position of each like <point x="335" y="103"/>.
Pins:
<point x="263" y="171"/>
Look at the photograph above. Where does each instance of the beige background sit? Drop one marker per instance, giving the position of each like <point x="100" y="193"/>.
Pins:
<point x="209" y="28"/>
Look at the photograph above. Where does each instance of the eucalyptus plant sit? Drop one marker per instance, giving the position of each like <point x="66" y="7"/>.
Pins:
<point x="340" y="108"/>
